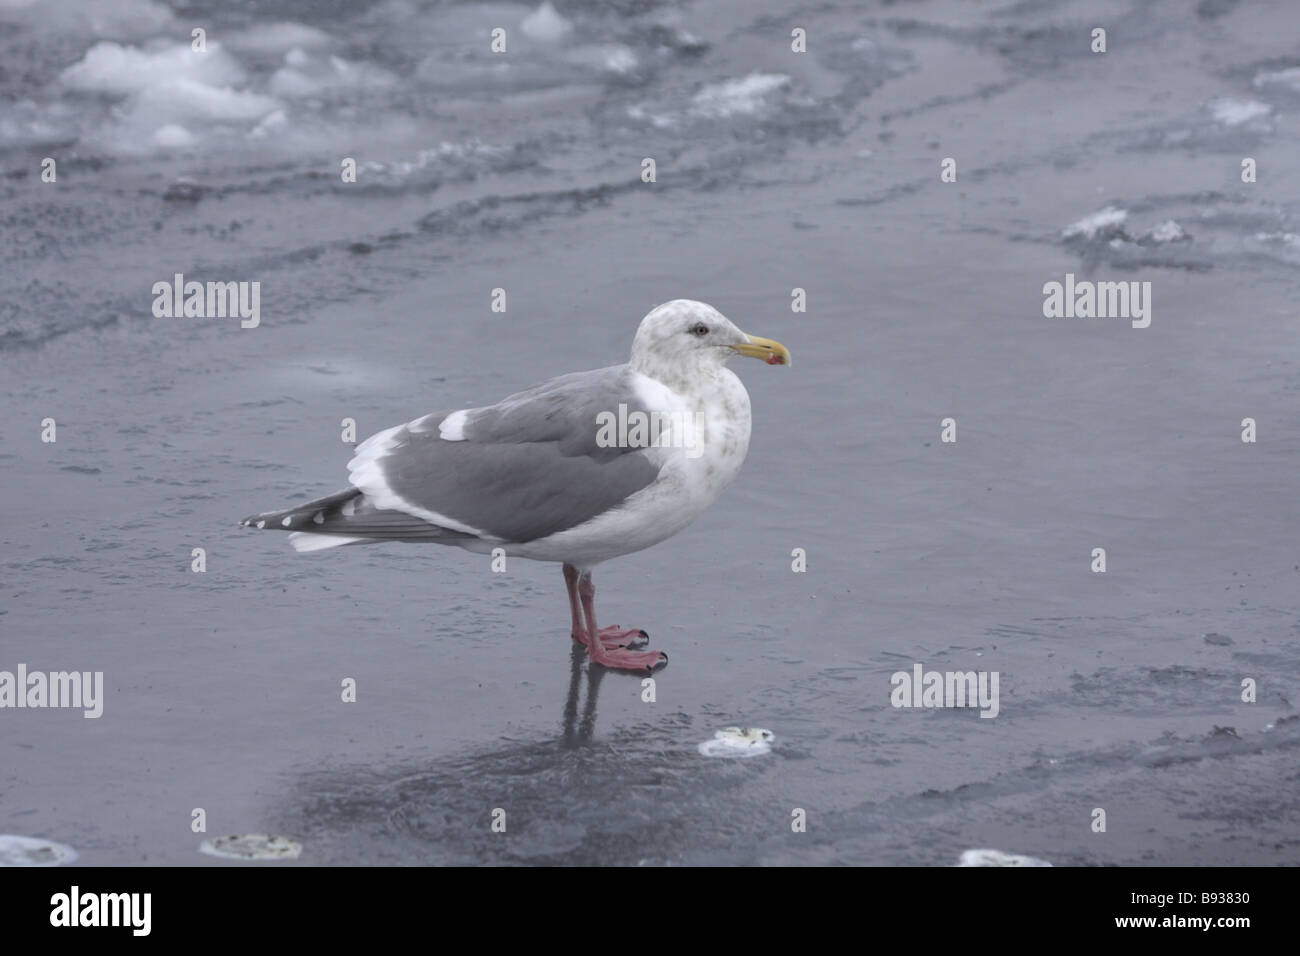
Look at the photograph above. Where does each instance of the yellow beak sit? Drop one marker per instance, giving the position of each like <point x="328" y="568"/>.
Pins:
<point x="769" y="350"/>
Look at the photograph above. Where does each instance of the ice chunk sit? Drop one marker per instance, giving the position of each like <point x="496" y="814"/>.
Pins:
<point x="738" y="742"/>
<point x="252" y="846"/>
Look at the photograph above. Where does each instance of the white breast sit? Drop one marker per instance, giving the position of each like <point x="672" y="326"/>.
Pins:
<point x="695" y="469"/>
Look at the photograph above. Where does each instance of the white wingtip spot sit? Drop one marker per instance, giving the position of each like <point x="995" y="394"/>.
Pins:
<point x="319" y="517"/>
<point x="261" y="524"/>
<point x="453" y="427"/>
<point x="286" y="522"/>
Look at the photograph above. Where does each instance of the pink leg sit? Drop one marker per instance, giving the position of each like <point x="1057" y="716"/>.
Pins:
<point x="579" y="630"/>
<point x="616" y="658"/>
<point x="610" y="637"/>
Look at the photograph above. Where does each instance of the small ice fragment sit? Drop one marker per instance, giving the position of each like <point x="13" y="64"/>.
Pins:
<point x="998" y="858"/>
<point x="252" y="846"/>
<point x="742" y="97"/>
<point x="738" y="742"/>
<point x="1232" y="112"/>
<point x="1100" y="221"/>
<point x="1168" y="231"/>
<point x="1289" y="78"/>
<point x="31" y="851"/>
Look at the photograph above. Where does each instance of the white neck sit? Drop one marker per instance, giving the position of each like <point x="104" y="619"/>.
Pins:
<point x="684" y="372"/>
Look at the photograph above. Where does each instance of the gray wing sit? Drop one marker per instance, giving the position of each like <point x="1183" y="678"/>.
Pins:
<point x="522" y="469"/>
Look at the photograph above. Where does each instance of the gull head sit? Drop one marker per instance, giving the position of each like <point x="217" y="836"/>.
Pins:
<point x="685" y="338"/>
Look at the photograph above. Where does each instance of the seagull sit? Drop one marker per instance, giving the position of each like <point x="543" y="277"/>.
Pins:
<point x="577" y="470"/>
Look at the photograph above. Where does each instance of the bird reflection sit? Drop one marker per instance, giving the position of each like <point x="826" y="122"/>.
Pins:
<point x="579" y="732"/>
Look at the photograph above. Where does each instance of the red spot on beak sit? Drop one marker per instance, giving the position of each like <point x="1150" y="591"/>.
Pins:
<point x="775" y="359"/>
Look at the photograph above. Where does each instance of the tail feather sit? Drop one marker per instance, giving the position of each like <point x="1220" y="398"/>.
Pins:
<point x="346" y="517"/>
<point x="306" y="541"/>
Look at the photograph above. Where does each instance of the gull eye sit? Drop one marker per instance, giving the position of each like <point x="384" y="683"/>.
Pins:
<point x="699" y="329"/>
